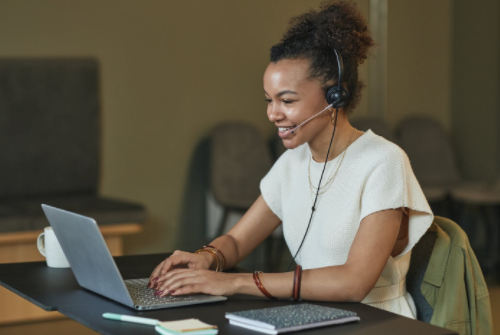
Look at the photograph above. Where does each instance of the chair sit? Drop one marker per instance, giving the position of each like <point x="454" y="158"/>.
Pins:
<point x="50" y="143"/>
<point x="420" y="257"/>
<point x="239" y="159"/>
<point x="480" y="203"/>
<point x="377" y="125"/>
<point x="277" y="147"/>
<point x="446" y="283"/>
<point x="425" y="141"/>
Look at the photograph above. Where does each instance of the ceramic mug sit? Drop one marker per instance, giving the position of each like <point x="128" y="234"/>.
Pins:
<point x="49" y="246"/>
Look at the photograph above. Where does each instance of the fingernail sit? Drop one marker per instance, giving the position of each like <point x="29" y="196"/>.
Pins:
<point x="170" y="292"/>
<point x="149" y="284"/>
<point x="159" y="293"/>
<point x="156" y="279"/>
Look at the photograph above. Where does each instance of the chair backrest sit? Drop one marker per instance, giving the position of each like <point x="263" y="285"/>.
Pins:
<point x="239" y="159"/>
<point x="429" y="150"/>
<point x="277" y="147"/>
<point x="378" y="126"/>
<point x="49" y="126"/>
<point x="420" y="256"/>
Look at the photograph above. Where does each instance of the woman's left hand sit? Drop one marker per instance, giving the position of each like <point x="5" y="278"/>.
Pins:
<point x="190" y="281"/>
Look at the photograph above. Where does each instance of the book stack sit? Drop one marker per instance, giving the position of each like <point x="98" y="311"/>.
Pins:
<point x="290" y="318"/>
<point x="187" y="327"/>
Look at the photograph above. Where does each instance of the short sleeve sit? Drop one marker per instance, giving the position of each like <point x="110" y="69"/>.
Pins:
<point x="271" y="186"/>
<point x="392" y="184"/>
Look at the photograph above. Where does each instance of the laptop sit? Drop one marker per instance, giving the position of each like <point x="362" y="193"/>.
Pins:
<point x="95" y="269"/>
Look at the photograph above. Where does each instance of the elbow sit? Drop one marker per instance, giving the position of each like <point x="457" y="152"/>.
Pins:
<point x="358" y="287"/>
<point x="358" y="294"/>
<point x="349" y="293"/>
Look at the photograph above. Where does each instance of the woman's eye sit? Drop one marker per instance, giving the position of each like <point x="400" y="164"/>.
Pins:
<point x="285" y="101"/>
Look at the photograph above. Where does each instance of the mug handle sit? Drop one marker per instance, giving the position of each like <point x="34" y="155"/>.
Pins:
<point x="40" y="243"/>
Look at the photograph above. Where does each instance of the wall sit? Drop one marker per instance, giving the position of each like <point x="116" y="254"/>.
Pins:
<point x="419" y="55"/>
<point x="476" y="87"/>
<point x="170" y="71"/>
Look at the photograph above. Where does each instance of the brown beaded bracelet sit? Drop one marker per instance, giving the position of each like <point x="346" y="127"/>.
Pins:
<point x="257" y="281"/>
<point x="297" y="281"/>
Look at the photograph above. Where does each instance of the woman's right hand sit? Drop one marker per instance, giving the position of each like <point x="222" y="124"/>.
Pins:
<point x="179" y="259"/>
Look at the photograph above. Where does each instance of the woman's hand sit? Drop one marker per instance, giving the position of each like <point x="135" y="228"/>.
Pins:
<point x="179" y="259"/>
<point x="190" y="281"/>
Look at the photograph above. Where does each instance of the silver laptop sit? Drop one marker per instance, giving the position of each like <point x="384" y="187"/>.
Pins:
<point x="95" y="269"/>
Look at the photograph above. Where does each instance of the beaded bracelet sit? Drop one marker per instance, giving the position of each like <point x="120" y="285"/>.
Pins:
<point x="297" y="281"/>
<point x="256" y="279"/>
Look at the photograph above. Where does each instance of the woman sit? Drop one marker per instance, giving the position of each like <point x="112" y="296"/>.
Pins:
<point x="369" y="212"/>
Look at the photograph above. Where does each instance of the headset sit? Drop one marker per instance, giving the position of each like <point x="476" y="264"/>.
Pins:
<point x="337" y="96"/>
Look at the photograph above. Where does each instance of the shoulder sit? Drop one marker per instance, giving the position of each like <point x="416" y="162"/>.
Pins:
<point x="378" y="151"/>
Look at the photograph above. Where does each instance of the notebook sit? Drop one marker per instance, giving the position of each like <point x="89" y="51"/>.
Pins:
<point x="276" y="320"/>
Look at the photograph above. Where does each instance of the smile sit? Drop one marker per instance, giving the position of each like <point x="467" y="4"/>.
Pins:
<point x="285" y="128"/>
<point x="286" y="132"/>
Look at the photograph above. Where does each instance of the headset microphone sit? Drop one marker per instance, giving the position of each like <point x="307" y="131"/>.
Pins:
<point x="312" y="117"/>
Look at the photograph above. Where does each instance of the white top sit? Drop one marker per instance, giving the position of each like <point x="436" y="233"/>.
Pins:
<point x="375" y="174"/>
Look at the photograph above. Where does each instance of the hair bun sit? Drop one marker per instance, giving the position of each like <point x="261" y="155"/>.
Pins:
<point x="338" y="24"/>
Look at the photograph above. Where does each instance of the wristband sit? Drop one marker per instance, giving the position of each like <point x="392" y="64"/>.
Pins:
<point x="257" y="281"/>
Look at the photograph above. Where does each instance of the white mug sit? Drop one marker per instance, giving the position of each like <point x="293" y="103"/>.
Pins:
<point x="49" y="246"/>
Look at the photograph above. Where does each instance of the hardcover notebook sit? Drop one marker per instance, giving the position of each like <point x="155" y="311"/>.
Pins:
<point x="290" y="318"/>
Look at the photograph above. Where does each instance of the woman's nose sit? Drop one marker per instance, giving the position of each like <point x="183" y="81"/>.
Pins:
<point x="274" y="114"/>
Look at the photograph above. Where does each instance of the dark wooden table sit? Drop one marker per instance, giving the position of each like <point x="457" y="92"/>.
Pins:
<point x="58" y="290"/>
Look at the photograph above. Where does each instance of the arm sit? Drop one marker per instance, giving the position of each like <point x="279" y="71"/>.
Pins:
<point x="253" y="228"/>
<point x="351" y="281"/>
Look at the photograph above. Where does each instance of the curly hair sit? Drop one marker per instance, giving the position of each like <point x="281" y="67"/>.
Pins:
<point x="312" y="35"/>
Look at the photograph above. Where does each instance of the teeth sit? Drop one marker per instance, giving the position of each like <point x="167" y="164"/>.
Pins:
<point x="285" y="128"/>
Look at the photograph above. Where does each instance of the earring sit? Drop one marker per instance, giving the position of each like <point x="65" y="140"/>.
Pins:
<point x="332" y="117"/>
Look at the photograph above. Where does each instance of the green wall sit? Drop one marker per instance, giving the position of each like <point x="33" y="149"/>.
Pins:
<point x="171" y="70"/>
<point x="476" y="87"/>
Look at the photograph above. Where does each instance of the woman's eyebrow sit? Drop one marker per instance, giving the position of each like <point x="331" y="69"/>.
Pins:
<point x="283" y="92"/>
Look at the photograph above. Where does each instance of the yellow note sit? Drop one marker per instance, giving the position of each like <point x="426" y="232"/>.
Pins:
<point x="187" y="325"/>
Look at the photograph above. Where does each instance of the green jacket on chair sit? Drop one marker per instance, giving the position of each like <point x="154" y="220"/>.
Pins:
<point x="454" y="285"/>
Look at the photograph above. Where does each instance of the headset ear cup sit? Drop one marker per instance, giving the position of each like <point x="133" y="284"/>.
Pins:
<point x="339" y="98"/>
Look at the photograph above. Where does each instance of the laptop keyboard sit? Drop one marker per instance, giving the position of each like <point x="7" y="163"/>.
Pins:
<point x="142" y="295"/>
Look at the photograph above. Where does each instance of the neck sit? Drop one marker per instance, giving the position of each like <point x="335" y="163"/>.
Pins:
<point x="319" y="145"/>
